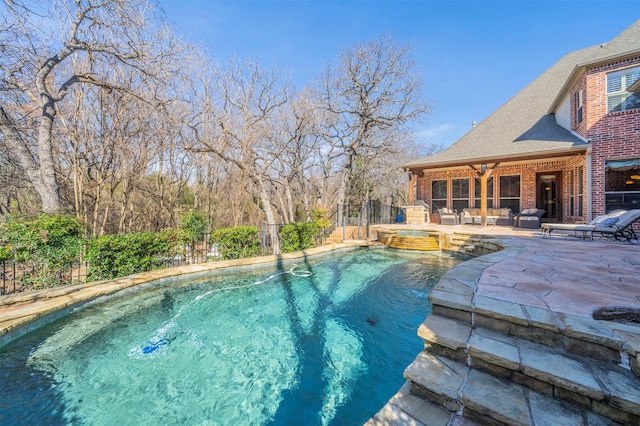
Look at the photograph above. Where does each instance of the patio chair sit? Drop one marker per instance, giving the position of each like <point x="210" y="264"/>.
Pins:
<point x="585" y="228"/>
<point x="617" y="224"/>
<point x="448" y="216"/>
<point x="619" y="228"/>
<point x="528" y="218"/>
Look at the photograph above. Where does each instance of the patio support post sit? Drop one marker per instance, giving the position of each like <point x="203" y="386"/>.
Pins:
<point x="483" y="196"/>
<point x="483" y="174"/>
<point x="412" y="188"/>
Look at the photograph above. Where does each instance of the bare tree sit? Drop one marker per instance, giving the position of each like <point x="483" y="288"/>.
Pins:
<point x="236" y="124"/>
<point x="38" y="41"/>
<point x="373" y="95"/>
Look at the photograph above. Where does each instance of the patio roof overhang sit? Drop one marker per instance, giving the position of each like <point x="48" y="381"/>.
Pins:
<point x="503" y="160"/>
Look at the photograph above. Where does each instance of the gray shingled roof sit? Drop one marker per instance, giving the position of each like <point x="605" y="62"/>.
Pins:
<point x="522" y="127"/>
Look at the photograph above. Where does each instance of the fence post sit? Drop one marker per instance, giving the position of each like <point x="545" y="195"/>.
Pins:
<point x="368" y="216"/>
<point x="344" y="228"/>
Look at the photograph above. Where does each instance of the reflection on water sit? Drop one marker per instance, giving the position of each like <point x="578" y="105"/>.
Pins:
<point x="324" y="342"/>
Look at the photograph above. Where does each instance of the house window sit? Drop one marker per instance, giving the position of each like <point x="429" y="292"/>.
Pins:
<point x="572" y="192"/>
<point x="459" y="194"/>
<point x="619" y="95"/>
<point x="622" y="184"/>
<point x="580" y="191"/>
<point x="477" y="190"/>
<point x="438" y="195"/>
<point x="510" y="192"/>
<point x="579" y="108"/>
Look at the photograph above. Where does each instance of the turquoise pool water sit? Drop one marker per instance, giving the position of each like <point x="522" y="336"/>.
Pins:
<point x="321" y="342"/>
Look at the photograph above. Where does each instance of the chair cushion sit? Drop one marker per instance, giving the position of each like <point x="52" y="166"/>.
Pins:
<point x="610" y="221"/>
<point x="502" y="212"/>
<point x="531" y="212"/>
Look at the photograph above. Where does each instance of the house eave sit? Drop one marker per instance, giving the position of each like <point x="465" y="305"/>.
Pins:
<point x="581" y="68"/>
<point x="538" y="155"/>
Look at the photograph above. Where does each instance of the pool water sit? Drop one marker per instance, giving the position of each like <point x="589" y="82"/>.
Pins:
<point x="319" y="342"/>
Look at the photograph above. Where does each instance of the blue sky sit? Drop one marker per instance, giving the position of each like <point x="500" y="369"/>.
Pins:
<point x="473" y="55"/>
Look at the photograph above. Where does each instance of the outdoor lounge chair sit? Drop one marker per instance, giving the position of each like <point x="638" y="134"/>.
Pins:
<point x="585" y="228"/>
<point x="448" y="216"/>
<point x="617" y="224"/>
<point x="622" y="229"/>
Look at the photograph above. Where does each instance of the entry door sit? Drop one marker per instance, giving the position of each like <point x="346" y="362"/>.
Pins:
<point x="549" y="197"/>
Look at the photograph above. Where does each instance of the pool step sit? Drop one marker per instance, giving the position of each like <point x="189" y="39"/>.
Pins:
<point x="481" y="398"/>
<point x="485" y="374"/>
<point x="469" y="244"/>
<point x="414" y="243"/>
<point x="408" y="409"/>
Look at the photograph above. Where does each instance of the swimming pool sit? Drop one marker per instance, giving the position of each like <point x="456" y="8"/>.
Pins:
<point x="315" y="342"/>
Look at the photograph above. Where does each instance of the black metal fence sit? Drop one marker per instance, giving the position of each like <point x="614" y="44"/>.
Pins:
<point x="19" y="276"/>
<point x="373" y="212"/>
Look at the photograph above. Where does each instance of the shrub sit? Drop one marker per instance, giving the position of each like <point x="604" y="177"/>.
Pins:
<point x="5" y="253"/>
<point x="49" y="243"/>
<point x="194" y="225"/>
<point x="237" y="243"/>
<point x="113" y="256"/>
<point x="298" y="236"/>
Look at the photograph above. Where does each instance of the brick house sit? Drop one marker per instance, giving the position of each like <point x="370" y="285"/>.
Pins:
<point x="568" y="143"/>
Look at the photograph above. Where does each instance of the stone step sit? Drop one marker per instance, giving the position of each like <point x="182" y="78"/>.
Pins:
<point x="573" y="334"/>
<point x="490" y="400"/>
<point x="405" y="408"/>
<point x="603" y="387"/>
<point x="437" y="379"/>
<point x="414" y="243"/>
<point x="605" y="341"/>
<point x="482" y="398"/>
<point x="446" y="336"/>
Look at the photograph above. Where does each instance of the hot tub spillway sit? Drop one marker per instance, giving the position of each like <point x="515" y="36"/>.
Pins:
<point x="414" y="240"/>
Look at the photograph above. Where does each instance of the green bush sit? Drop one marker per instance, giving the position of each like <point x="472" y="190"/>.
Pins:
<point x="49" y="243"/>
<point x="237" y="243"/>
<point x="113" y="256"/>
<point x="298" y="236"/>
<point x="194" y="225"/>
<point x="5" y="253"/>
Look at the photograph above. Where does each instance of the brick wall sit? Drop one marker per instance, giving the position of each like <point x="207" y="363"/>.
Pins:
<point x="528" y="183"/>
<point x="612" y="136"/>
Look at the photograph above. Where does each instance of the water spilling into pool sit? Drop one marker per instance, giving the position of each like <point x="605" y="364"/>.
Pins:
<point x="321" y="342"/>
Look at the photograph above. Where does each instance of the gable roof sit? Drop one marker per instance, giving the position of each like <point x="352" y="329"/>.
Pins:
<point x="524" y="127"/>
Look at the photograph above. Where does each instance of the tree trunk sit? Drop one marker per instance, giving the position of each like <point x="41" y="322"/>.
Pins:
<point x="41" y="176"/>
<point x="48" y="187"/>
<point x="272" y="230"/>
